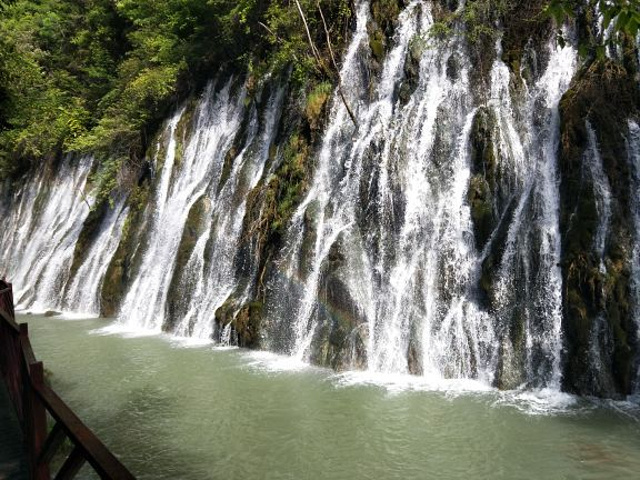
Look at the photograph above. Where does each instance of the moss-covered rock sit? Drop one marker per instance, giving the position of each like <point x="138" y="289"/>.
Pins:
<point x="245" y="322"/>
<point x="317" y="101"/>
<point x="182" y="134"/>
<point x="271" y="203"/>
<point x="479" y="198"/>
<point x="270" y="206"/>
<point x="384" y="17"/>
<point x="597" y="317"/>
<point x="126" y="258"/>
<point x="483" y="185"/>
<point x="409" y="83"/>
<point x="525" y="32"/>
<point x="340" y="340"/>
<point x="193" y="229"/>
<point x="89" y="232"/>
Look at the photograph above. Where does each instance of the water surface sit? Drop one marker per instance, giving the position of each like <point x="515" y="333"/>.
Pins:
<point x="173" y="410"/>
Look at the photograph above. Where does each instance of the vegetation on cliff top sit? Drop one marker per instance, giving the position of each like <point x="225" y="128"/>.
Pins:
<point x="99" y="75"/>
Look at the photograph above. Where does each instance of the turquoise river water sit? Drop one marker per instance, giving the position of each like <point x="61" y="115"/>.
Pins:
<point x="171" y="409"/>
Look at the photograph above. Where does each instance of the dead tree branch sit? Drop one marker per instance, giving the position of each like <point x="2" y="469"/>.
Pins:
<point x="337" y="70"/>
<point x="316" y="54"/>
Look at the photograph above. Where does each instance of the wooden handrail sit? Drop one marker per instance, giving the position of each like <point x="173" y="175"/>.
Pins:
<point x="33" y="400"/>
<point x="91" y="448"/>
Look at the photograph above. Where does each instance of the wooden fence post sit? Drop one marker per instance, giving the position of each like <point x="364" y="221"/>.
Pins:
<point x="34" y="401"/>
<point x="38" y="422"/>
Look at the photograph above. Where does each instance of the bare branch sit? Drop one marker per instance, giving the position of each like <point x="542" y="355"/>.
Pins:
<point x="335" y="66"/>
<point x="314" y="50"/>
<point x="278" y="39"/>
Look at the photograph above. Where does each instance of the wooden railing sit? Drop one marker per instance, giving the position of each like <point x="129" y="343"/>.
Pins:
<point x="33" y="400"/>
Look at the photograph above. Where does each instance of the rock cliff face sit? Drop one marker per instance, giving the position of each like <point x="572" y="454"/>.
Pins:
<point x="481" y="220"/>
<point x="599" y="197"/>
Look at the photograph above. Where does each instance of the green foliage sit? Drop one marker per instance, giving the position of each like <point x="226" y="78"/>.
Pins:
<point x="99" y="75"/>
<point x="56" y="62"/>
<point x="316" y="101"/>
<point x="623" y="16"/>
<point x="287" y="186"/>
<point x="482" y="17"/>
<point x="479" y="17"/>
<point x="105" y="178"/>
<point x="287" y="36"/>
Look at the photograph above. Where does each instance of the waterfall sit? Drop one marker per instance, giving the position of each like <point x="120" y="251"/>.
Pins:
<point x="300" y="306"/>
<point x="603" y="193"/>
<point x="182" y="181"/>
<point x="211" y="274"/>
<point x="42" y="230"/>
<point x="82" y="294"/>
<point x="201" y="186"/>
<point x="387" y="219"/>
<point x="600" y="339"/>
<point x="530" y="279"/>
<point x="427" y="242"/>
<point x="296" y="301"/>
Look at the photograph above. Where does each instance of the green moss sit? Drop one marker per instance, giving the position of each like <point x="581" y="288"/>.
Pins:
<point x="227" y="166"/>
<point x="480" y="200"/>
<point x="483" y="185"/>
<point x="193" y="229"/>
<point x="510" y="366"/>
<point x="523" y="25"/>
<point x="316" y="102"/>
<point x="247" y="325"/>
<point x="385" y="15"/>
<point x="245" y="321"/>
<point x="90" y="228"/>
<point x="377" y="46"/>
<point x="183" y="130"/>
<point x="122" y="263"/>
<point x="417" y="45"/>
<point x="286" y="188"/>
<point x="605" y="94"/>
<point x="272" y="203"/>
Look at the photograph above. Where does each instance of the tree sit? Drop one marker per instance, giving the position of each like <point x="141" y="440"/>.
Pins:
<point x="622" y="15"/>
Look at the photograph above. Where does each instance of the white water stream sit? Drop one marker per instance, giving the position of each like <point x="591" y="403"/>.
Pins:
<point x="217" y="119"/>
<point x="407" y="241"/>
<point x="42" y="231"/>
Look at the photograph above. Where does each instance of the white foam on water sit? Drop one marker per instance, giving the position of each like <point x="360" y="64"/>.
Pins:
<point x="273" y="362"/>
<point x="398" y="383"/>
<point x="224" y="348"/>
<point x="75" y="316"/>
<point x="57" y="314"/>
<point x="544" y="401"/>
<point x="187" y="342"/>
<point x="124" y="331"/>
